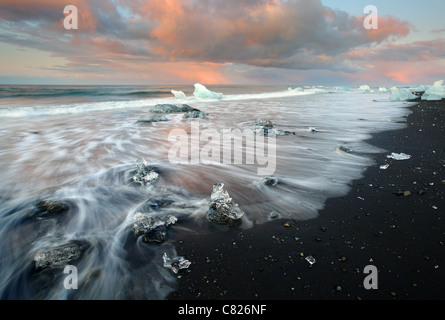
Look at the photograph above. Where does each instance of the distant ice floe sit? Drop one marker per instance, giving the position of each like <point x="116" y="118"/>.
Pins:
<point x="434" y="93"/>
<point x="202" y="92"/>
<point x="298" y="89"/>
<point x="366" y="89"/>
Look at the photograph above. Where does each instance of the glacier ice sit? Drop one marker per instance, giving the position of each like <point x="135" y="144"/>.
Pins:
<point x="401" y="94"/>
<point x="399" y="156"/>
<point x="175" y="264"/>
<point x="222" y="209"/>
<point x="436" y="92"/>
<point x="202" y="92"/>
<point x="383" y="90"/>
<point x="365" y="88"/>
<point x="178" y="94"/>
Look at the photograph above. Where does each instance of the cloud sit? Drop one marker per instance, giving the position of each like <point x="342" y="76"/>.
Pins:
<point x="183" y="40"/>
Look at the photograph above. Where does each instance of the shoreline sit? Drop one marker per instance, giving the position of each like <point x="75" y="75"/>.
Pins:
<point x="402" y="235"/>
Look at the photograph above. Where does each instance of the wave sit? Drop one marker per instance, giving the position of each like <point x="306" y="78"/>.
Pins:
<point x="58" y="92"/>
<point x="15" y="112"/>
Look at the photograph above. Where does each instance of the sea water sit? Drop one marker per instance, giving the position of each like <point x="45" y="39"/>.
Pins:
<point x="79" y="145"/>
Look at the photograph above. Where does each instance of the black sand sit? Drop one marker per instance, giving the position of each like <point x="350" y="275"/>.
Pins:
<point x="375" y="224"/>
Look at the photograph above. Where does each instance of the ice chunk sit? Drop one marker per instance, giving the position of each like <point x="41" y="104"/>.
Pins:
<point x="178" y="94"/>
<point x="383" y="90"/>
<point x="144" y="173"/>
<point x="175" y="264"/>
<point x="401" y="94"/>
<point x="384" y="167"/>
<point x="310" y="259"/>
<point x="434" y="93"/>
<point x="222" y="209"/>
<point x="144" y="223"/>
<point x="202" y="92"/>
<point x="399" y="156"/>
<point x="365" y="88"/>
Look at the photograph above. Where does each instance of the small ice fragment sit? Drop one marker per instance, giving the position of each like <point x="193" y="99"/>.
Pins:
<point x="178" y="94"/>
<point x="360" y="198"/>
<point x="399" y="156"/>
<point x="310" y="259"/>
<point x="384" y="167"/>
<point x="435" y="208"/>
<point x="312" y="129"/>
<point x="176" y="263"/>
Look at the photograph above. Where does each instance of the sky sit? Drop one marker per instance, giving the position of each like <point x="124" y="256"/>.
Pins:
<point x="264" y="42"/>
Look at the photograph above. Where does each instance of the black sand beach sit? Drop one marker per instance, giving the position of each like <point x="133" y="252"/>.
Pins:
<point x="378" y="223"/>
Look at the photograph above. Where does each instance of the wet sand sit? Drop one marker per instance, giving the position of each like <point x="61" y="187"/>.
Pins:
<point x="401" y="234"/>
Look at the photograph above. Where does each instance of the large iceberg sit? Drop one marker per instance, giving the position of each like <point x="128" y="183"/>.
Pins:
<point x="401" y="94"/>
<point x="202" y="92"/>
<point x="436" y="92"/>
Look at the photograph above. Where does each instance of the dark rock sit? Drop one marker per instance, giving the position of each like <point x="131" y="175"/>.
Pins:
<point x="222" y="209"/>
<point x="270" y="181"/>
<point x="60" y="256"/>
<point x="157" y="234"/>
<point x="48" y="208"/>
<point x="171" y="108"/>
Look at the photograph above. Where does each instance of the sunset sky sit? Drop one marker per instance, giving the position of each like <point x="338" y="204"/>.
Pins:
<point x="294" y="42"/>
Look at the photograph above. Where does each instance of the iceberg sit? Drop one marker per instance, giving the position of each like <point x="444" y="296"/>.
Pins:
<point x="434" y="93"/>
<point x="383" y="90"/>
<point x="401" y="94"/>
<point x="366" y="89"/>
<point x="202" y="92"/>
<point x="178" y="94"/>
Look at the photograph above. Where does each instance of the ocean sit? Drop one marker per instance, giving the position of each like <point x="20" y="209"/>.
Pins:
<point x="79" y="145"/>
